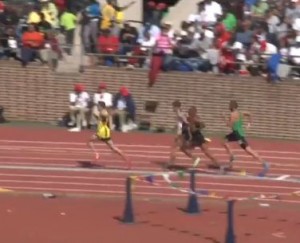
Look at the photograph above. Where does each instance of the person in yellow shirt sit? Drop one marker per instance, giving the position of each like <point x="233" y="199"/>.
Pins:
<point x="119" y="18"/>
<point x="34" y="16"/>
<point x="108" y="15"/>
<point x="103" y="134"/>
<point x="50" y="11"/>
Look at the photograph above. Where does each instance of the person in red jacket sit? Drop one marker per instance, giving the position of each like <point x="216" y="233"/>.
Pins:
<point x="108" y="44"/>
<point x="32" y="42"/>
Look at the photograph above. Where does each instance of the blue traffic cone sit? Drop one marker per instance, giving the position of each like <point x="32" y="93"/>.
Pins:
<point x="230" y="236"/>
<point x="128" y="216"/>
<point x="193" y="207"/>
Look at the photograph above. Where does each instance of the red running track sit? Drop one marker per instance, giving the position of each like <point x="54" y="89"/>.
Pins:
<point x="40" y="160"/>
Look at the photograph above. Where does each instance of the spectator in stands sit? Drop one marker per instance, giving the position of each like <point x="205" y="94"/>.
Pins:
<point x="92" y="15"/>
<point x="212" y="12"/>
<point x="260" y="8"/>
<point x="155" y="12"/>
<point x="34" y="16"/>
<point x="2" y="6"/>
<point x="119" y="11"/>
<point x="108" y="44"/>
<point x="292" y="11"/>
<point x="229" y="20"/>
<point x="61" y="6"/>
<point x="272" y="20"/>
<point x="10" y="44"/>
<point x="108" y="15"/>
<point x="44" y="26"/>
<point x="128" y="38"/>
<point x="162" y="50"/>
<point x="204" y="44"/>
<point x="294" y="54"/>
<point x="199" y="16"/>
<point x="102" y="95"/>
<point x="51" y="13"/>
<point x="54" y="50"/>
<point x="124" y="109"/>
<point x="153" y="30"/>
<point x="68" y="22"/>
<point x="244" y="34"/>
<point x="32" y="42"/>
<point x="227" y="61"/>
<point x="79" y="107"/>
<point x="222" y="36"/>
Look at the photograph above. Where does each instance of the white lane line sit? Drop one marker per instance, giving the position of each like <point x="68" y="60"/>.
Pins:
<point x="139" y="172"/>
<point x="133" y="146"/>
<point x="138" y="165"/>
<point x="116" y="179"/>
<point x="135" y="188"/>
<point x="283" y="177"/>
<point x="161" y="195"/>
<point x="133" y="153"/>
<point x="66" y="159"/>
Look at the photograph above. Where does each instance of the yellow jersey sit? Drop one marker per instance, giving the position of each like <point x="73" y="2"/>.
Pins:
<point x="108" y="15"/>
<point x="103" y="129"/>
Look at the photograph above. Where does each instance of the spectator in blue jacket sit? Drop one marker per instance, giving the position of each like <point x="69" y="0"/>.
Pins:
<point x="125" y="110"/>
<point x="91" y="28"/>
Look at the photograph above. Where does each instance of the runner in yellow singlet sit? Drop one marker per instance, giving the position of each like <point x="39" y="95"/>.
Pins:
<point x="104" y="134"/>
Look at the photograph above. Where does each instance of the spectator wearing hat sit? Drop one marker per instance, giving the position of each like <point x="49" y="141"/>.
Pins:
<point x="102" y="96"/>
<point x="79" y="106"/>
<point x="124" y="108"/>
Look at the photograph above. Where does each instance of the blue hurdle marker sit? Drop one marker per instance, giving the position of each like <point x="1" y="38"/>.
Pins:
<point x="128" y="216"/>
<point x="193" y="207"/>
<point x="230" y="235"/>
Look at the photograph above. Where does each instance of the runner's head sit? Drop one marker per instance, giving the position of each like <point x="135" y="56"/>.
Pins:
<point x="192" y="111"/>
<point x="176" y="105"/>
<point x="101" y="105"/>
<point x="233" y="105"/>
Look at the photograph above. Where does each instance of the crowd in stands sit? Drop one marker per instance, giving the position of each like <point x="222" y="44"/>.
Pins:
<point x="238" y="36"/>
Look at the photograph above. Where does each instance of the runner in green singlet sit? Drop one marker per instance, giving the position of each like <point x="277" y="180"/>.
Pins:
<point x="236" y="123"/>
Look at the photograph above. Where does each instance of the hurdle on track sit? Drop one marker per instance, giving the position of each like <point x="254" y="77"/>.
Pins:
<point x="192" y="207"/>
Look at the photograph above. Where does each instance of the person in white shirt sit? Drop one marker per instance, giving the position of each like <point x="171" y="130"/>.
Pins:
<point x="102" y="96"/>
<point x="124" y="109"/>
<point x="294" y="52"/>
<point x="79" y="106"/>
<point x="212" y="11"/>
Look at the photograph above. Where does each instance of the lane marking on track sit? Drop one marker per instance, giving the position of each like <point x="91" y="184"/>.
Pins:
<point x="149" y="186"/>
<point x="121" y="179"/>
<point x="140" y="172"/>
<point x="133" y="153"/>
<point x="283" y="177"/>
<point x="161" y="195"/>
<point x="132" y="145"/>
<point x="4" y="190"/>
<point x="69" y="158"/>
<point x="12" y="165"/>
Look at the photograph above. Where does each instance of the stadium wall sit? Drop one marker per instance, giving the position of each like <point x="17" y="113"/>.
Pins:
<point x="37" y="94"/>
